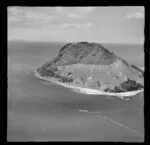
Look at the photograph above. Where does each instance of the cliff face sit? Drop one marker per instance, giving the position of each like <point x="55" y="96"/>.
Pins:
<point x="92" y="65"/>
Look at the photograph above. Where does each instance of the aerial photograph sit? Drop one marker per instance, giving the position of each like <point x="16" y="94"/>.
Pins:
<point x="75" y="73"/>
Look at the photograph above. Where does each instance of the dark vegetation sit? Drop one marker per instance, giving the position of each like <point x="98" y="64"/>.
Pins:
<point x="52" y="72"/>
<point x="69" y="73"/>
<point x="123" y="61"/>
<point x="116" y="89"/>
<point x="98" y="84"/>
<point x="73" y="53"/>
<point x="129" y="85"/>
<point x="65" y="79"/>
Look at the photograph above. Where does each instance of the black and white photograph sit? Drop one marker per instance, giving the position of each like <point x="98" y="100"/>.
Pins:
<point x="75" y="73"/>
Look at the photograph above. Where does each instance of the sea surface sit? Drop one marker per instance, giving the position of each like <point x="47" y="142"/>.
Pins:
<point x="42" y="111"/>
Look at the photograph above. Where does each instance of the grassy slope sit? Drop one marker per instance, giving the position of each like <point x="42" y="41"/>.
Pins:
<point x="110" y="75"/>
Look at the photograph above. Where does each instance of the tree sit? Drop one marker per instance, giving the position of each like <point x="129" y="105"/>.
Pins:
<point x="69" y="73"/>
<point x="131" y="85"/>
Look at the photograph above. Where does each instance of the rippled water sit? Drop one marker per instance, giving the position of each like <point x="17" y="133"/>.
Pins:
<point x="38" y="110"/>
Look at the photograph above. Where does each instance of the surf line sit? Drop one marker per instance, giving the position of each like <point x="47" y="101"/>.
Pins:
<point x="89" y="91"/>
<point x="115" y="122"/>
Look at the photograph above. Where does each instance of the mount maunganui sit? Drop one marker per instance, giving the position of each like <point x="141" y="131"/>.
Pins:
<point x="91" y="65"/>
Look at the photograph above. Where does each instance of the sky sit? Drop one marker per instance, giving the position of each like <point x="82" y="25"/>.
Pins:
<point x="124" y="24"/>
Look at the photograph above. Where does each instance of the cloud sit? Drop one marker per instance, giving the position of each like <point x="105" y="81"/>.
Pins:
<point x="79" y="12"/>
<point x="44" y="16"/>
<point x="87" y="25"/>
<point x="72" y="16"/>
<point x="10" y="19"/>
<point x="77" y="26"/>
<point x="38" y="17"/>
<point x="84" y="10"/>
<point x="14" y="11"/>
<point x="59" y="9"/>
<point x="137" y="15"/>
<point x="30" y="17"/>
<point x="69" y="25"/>
<point x="49" y="17"/>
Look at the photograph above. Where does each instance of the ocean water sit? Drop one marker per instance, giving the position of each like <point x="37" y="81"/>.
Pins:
<point x="42" y="111"/>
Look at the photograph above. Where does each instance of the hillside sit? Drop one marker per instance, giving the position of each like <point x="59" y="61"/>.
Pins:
<point x="93" y="66"/>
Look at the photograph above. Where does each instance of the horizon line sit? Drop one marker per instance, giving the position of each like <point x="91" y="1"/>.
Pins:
<point x="17" y="40"/>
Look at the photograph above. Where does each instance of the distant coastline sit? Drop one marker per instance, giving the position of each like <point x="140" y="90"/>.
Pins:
<point x="89" y="91"/>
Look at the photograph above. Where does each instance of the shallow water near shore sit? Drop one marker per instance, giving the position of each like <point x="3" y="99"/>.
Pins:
<point x="39" y="110"/>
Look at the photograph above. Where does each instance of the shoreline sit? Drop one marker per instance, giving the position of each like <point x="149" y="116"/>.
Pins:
<point x="89" y="91"/>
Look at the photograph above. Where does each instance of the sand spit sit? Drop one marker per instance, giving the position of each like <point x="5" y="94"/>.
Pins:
<point x="89" y="91"/>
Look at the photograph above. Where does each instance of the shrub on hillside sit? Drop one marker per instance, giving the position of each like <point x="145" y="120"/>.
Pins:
<point x="131" y="85"/>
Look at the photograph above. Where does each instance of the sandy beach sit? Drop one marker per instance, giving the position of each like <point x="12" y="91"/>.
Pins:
<point x="89" y="91"/>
